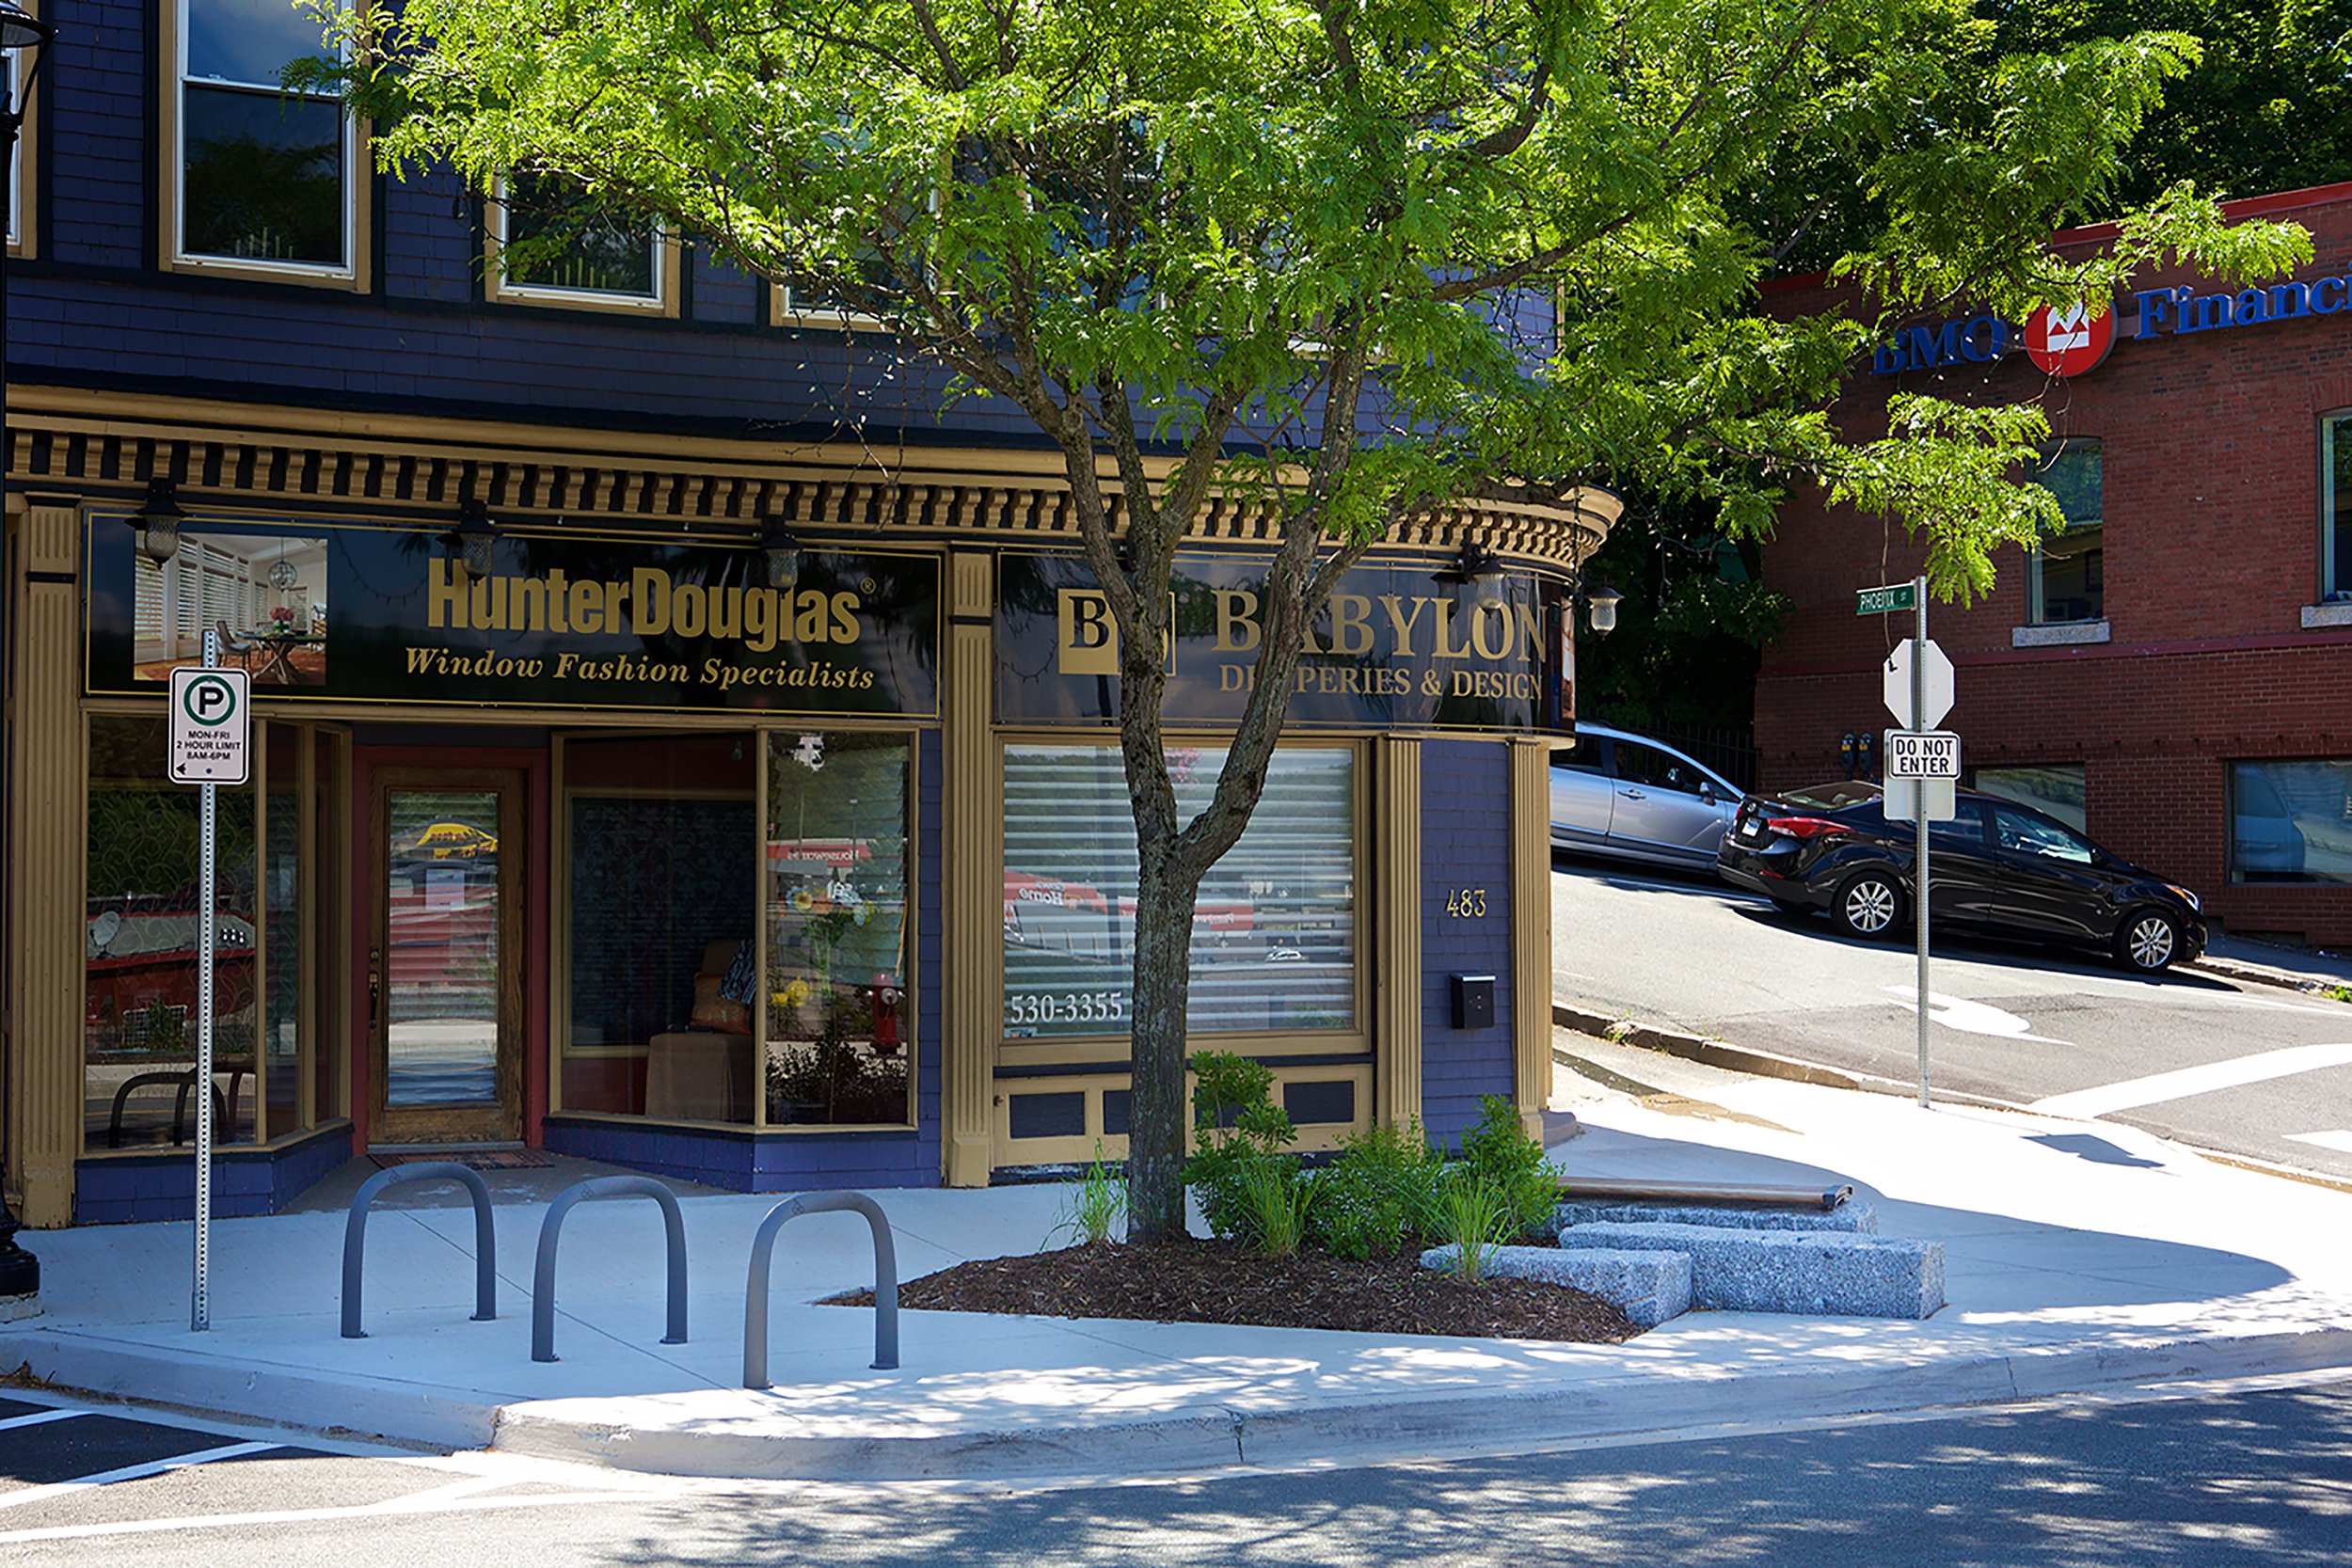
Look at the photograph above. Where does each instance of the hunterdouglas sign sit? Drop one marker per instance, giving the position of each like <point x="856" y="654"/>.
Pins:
<point x="341" y="612"/>
<point x="1410" y="646"/>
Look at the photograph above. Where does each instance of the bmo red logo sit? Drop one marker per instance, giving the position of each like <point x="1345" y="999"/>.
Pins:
<point x="2069" y="340"/>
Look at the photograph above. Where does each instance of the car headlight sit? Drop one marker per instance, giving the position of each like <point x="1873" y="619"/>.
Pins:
<point x="2189" y="896"/>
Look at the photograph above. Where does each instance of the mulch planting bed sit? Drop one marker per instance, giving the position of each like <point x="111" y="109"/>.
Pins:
<point x="1214" y="1282"/>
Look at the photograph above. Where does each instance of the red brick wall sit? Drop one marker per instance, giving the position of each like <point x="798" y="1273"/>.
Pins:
<point x="2209" y="444"/>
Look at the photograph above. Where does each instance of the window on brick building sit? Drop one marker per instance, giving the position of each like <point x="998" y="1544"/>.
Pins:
<point x="2052" y="788"/>
<point x="553" y="242"/>
<point x="265" y="179"/>
<point x="2335" y="507"/>
<point x="1274" y="936"/>
<point x="2291" y="822"/>
<point x="2065" y="571"/>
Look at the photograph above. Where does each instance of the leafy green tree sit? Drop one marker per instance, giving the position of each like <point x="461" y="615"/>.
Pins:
<point x="1308" y="253"/>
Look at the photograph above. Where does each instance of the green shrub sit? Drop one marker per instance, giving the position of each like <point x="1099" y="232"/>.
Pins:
<point x="1240" y="1140"/>
<point x="1096" y="1206"/>
<point x="1378" y="1195"/>
<point x="1499" y="1152"/>
<point x="1473" y="1215"/>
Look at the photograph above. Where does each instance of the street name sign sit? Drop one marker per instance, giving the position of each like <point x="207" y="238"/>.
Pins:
<point x="212" y="727"/>
<point x="1878" y="601"/>
<point x="1935" y="685"/>
<point x="1922" y="755"/>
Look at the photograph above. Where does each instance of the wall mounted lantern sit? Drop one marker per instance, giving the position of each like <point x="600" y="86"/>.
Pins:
<point x="471" y="539"/>
<point x="155" y="522"/>
<point x="783" y="548"/>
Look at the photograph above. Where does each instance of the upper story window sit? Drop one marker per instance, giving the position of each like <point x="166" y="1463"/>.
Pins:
<point x="259" y="178"/>
<point x="2066" y="574"/>
<point x="554" y="242"/>
<point x="2335" y="507"/>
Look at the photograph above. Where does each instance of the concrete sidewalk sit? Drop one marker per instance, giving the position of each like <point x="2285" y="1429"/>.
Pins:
<point x="2079" y="1257"/>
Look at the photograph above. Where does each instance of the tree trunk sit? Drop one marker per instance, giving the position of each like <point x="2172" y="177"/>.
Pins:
<point x="1162" y="983"/>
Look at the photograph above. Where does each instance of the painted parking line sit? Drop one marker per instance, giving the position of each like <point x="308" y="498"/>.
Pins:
<point x="40" y="1418"/>
<point x="2180" y="1084"/>
<point x="133" y="1472"/>
<point x="2339" y="1140"/>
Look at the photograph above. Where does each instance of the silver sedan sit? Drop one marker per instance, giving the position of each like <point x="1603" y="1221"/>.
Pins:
<point x="1615" y="793"/>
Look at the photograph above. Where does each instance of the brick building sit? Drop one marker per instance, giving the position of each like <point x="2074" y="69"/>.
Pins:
<point x="2175" y="672"/>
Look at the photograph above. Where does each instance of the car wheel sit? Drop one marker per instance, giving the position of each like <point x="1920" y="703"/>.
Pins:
<point x="1866" y="904"/>
<point x="2148" y="940"/>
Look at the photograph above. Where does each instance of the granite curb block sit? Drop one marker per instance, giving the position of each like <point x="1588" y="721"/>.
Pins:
<point x="1790" y="1272"/>
<point x="252" y="1390"/>
<point x="1849" y="1218"/>
<point x="1569" y="1410"/>
<point x="1647" y="1286"/>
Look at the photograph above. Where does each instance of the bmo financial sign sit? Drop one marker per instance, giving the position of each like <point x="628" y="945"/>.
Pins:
<point x="2068" y="340"/>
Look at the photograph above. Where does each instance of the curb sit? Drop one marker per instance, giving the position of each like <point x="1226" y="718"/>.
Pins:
<point x="248" y="1391"/>
<point x="1655" y="1404"/>
<point x="2258" y="974"/>
<point x="1740" y="1058"/>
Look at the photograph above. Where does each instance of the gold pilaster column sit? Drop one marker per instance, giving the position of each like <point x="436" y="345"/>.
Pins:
<point x="1531" y="929"/>
<point x="1396" y="880"/>
<point x="973" y="882"/>
<point x="46" y="833"/>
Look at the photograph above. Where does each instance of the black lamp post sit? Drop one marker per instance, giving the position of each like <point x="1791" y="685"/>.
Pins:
<point x="23" y="39"/>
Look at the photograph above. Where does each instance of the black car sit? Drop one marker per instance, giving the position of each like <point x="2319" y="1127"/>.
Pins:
<point x="1996" y="867"/>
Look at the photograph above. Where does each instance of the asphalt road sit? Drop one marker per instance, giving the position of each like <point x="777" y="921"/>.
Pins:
<point x="2214" y="1481"/>
<point x="2246" y="1069"/>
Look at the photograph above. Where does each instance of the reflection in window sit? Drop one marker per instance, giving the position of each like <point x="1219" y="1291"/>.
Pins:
<point x="2335" y="506"/>
<point x="839" y="1046"/>
<point x="553" y="235"/>
<point x="2291" y="822"/>
<point x="265" y="172"/>
<point x="139" y="996"/>
<point x="660" y="847"/>
<point x="1274" y="932"/>
<point x="2066" y="579"/>
<point x="2055" y="789"/>
<point x="2035" y="835"/>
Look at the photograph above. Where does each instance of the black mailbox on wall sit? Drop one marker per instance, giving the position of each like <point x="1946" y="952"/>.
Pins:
<point x="1474" y="1001"/>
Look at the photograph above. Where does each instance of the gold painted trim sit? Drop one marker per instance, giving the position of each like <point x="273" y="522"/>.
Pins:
<point x="231" y="455"/>
<point x="1397" y="1017"/>
<point x="1531" y="930"/>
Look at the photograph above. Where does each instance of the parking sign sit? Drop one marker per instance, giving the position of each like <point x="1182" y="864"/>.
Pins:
<point x="212" y="726"/>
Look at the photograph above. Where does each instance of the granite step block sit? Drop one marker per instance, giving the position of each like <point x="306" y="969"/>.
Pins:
<point x="1811" y="1273"/>
<point x="1852" y="1219"/>
<point x="1647" y="1286"/>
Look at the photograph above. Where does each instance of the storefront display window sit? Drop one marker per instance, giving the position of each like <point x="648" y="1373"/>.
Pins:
<point x="839" y="1047"/>
<point x="140" y="1023"/>
<point x="2055" y="789"/>
<point x="2291" y="822"/>
<point x="1274" y="940"/>
<point x="2067" y="580"/>
<point x="2335" y="507"/>
<point x="660" y="854"/>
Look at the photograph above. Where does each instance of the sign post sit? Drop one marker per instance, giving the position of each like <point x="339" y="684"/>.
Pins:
<point x="211" y="731"/>
<point x="1918" y="690"/>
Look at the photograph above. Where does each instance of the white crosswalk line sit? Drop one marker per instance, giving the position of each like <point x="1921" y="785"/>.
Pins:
<point x="2184" y="1082"/>
<point x="40" y="1418"/>
<point x="133" y="1472"/>
<point x="2339" y="1140"/>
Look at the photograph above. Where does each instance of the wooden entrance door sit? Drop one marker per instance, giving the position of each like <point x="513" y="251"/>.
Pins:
<point x="445" y="967"/>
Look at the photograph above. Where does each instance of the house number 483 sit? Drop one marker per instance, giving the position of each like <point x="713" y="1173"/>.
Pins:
<point x="1464" y="903"/>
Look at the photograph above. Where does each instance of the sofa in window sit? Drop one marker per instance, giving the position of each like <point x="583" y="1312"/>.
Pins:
<point x="703" y="1072"/>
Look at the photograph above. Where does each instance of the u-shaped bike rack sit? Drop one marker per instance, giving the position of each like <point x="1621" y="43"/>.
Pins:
<point x="543" y="1276"/>
<point x="486" y="1298"/>
<point x="763" y="1254"/>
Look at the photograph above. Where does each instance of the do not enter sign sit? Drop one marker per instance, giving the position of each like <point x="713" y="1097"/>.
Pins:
<point x="212" y="726"/>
